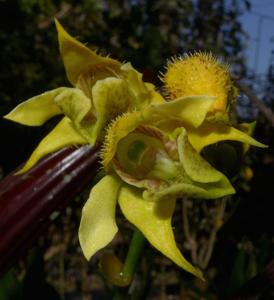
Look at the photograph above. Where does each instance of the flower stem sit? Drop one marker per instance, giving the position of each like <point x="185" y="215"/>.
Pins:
<point x="134" y="254"/>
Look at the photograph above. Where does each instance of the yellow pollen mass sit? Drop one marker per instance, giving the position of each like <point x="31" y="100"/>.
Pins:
<point x="198" y="74"/>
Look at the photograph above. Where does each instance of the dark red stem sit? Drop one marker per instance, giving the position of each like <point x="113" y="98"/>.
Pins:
<point x="27" y="201"/>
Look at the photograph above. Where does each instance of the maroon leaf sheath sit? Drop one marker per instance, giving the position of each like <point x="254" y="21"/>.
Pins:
<point x="28" y="201"/>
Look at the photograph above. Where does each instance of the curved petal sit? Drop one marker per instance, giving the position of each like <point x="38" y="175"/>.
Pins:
<point x="134" y="78"/>
<point x="77" y="58"/>
<point x="213" y="190"/>
<point x="153" y="219"/>
<point x="197" y="168"/>
<point x="156" y="98"/>
<point x="61" y="136"/>
<point x="144" y="92"/>
<point x="249" y="129"/>
<point x="37" y="110"/>
<point x="189" y="110"/>
<point x="111" y="97"/>
<point x="210" y="133"/>
<point x="77" y="106"/>
<point x="98" y="226"/>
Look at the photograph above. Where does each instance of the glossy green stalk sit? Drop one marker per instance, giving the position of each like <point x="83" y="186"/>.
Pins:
<point x="134" y="254"/>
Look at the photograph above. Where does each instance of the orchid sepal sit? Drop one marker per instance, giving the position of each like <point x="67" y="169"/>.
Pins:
<point x="98" y="226"/>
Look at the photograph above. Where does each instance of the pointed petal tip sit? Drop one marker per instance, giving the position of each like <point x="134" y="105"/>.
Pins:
<point x="256" y="143"/>
<point x="7" y="117"/>
<point x="11" y="116"/>
<point x="64" y="37"/>
<point x="22" y="171"/>
<point x="89" y="252"/>
<point x="62" y="135"/>
<point x="199" y="274"/>
<point x="56" y="21"/>
<point x="233" y="191"/>
<point x="18" y="118"/>
<point x="77" y="57"/>
<point x="263" y="145"/>
<point x="157" y="230"/>
<point x="202" y="278"/>
<point x="62" y="34"/>
<point x="60" y="29"/>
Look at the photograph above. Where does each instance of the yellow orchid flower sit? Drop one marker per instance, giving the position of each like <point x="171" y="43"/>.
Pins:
<point x="148" y="169"/>
<point x="152" y="159"/>
<point x="151" y="146"/>
<point x="103" y="88"/>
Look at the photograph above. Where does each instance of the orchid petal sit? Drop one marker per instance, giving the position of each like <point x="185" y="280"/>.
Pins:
<point x="197" y="168"/>
<point x="134" y="78"/>
<point x="197" y="178"/>
<point x="189" y="110"/>
<point x="249" y="129"/>
<point x="98" y="226"/>
<point x="156" y="97"/>
<point x="153" y="219"/>
<point x="111" y="97"/>
<point x="37" y="110"/>
<point x="210" y="133"/>
<point x="61" y="136"/>
<point x="214" y="190"/>
<point x="77" y="106"/>
<point x="78" y="59"/>
<point x="144" y="92"/>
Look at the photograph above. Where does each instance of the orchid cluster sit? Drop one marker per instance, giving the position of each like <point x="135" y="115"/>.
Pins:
<point x="151" y="142"/>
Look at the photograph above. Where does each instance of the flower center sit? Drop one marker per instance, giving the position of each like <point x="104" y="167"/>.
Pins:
<point x="137" y="153"/>
<point x="144" y="157"/>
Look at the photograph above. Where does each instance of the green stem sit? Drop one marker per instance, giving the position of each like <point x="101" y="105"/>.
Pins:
<point x="133" y="257"/>
<point x="134" y="253"/>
